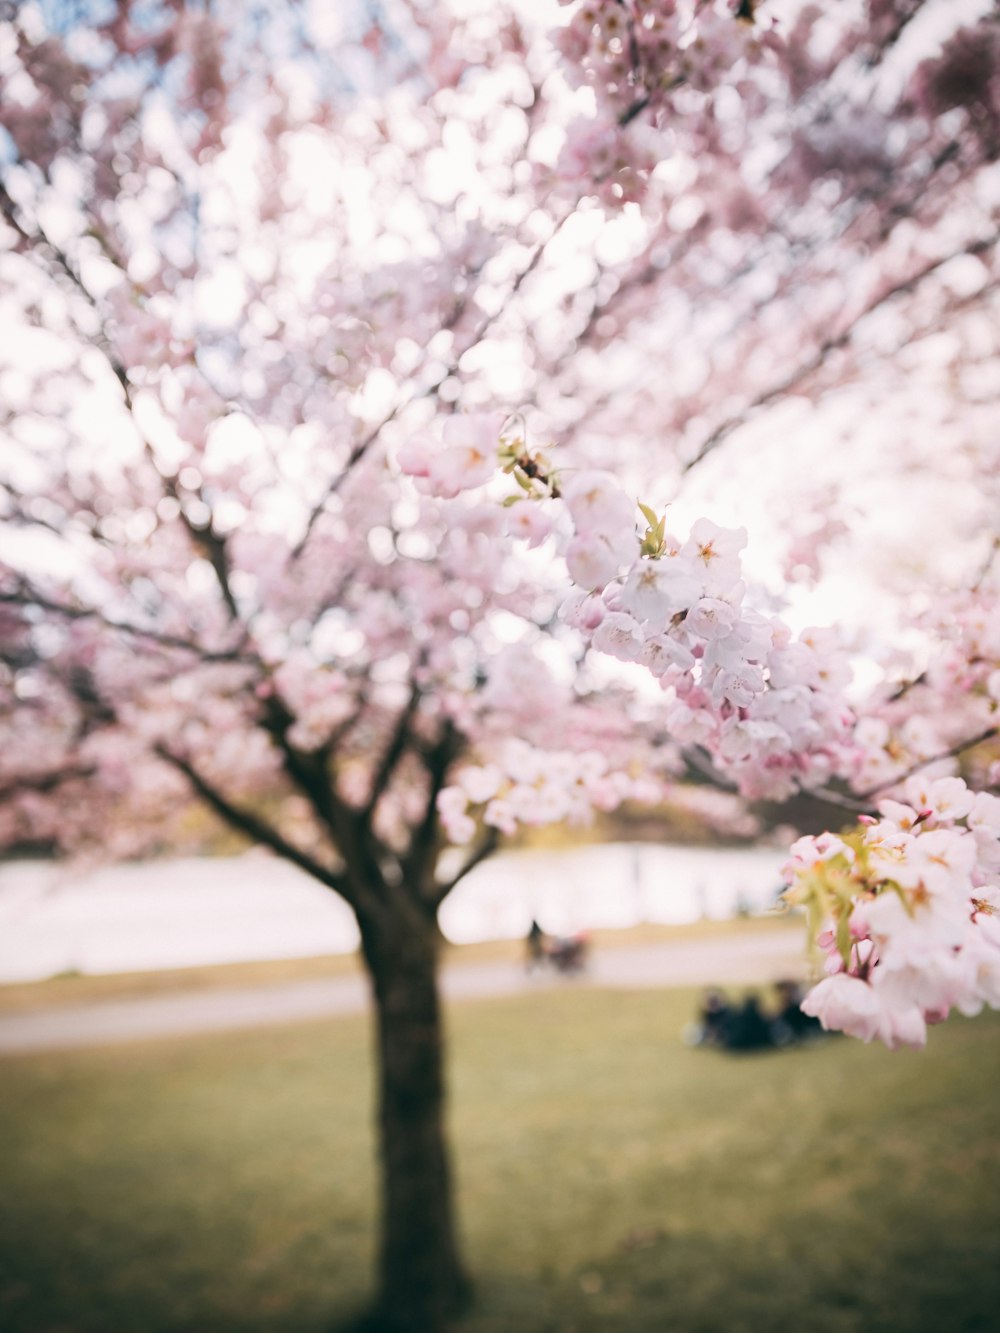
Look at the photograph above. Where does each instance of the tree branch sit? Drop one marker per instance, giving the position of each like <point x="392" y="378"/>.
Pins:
<point x="31" y="598"/>
<point x="203" y="535"/>
<point x="828" y="345"/>
<point x="950" y="753"/>
<point x="348" y="830"/>
<point x="987" y="564"/>
<point x="437" y="761"/>
<point x="395" y="750"/>
<point x="45" y="782"/>
<point x="698" y="759"/>
<point x="486" y="848"/>
<point x="842" y="802"/>
<point x="253" y="827"/>
<point x="478" y="334"/>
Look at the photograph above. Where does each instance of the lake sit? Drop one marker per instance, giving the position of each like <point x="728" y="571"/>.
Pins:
<point x="185" y="912"/>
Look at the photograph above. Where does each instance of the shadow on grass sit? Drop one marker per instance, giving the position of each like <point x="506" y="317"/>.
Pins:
<point x="693" y="1284"/>
<point x="904" y="1274"/>
<point x="686" y="1284"/>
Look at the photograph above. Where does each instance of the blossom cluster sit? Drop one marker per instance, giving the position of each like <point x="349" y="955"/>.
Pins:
<point x="653" y="65"/>
<point x="767" y="707"/>
<point x="952" y="694"/>
<point x="906" y="909"/>
<point x="465" y="457"/>
<point x="525" y="785"/>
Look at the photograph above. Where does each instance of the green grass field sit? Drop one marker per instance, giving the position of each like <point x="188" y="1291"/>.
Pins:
<point x="609" y="1179"/>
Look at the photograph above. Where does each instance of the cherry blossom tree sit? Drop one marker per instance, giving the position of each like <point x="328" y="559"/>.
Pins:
<point x="342" y="347"/>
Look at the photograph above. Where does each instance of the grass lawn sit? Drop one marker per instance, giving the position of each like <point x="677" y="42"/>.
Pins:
<point x="609" y="1179"/>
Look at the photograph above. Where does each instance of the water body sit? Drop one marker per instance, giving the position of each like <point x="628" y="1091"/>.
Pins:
<point x="192" y="911"/>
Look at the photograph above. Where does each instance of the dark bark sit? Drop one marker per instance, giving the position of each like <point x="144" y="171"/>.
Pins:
<point x="421" y="1281"/>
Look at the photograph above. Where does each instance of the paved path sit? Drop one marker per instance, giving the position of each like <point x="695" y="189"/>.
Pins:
<point x="745" y="959"/>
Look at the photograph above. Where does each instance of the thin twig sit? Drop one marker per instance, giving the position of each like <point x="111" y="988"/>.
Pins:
<point x="828" y="345"/>
<point x="30" y="598"/>
<point x="950" y="753"/>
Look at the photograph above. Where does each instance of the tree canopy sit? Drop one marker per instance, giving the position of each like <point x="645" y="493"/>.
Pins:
<point x="419" y="418"/>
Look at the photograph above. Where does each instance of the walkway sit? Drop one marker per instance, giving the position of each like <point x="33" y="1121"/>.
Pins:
<point x="747" y="960"/>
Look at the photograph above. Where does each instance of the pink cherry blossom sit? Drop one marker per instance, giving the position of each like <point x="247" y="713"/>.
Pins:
<point x="846" y="1004"/>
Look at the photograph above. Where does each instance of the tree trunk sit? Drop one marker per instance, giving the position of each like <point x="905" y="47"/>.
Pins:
<point x="421" y="1282"/>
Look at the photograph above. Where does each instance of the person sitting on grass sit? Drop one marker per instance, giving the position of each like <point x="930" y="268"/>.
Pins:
<point x="713" y="1021"/>
<point x="748" y="1028"/>
<point x="790" y="1023"/>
